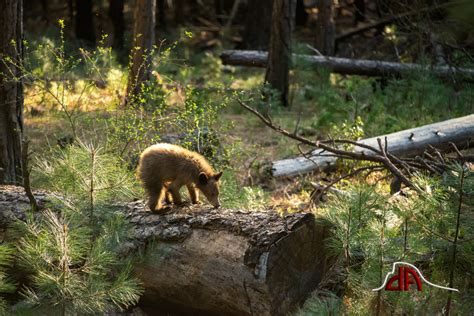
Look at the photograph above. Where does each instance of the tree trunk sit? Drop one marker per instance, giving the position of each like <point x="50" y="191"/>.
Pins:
<point x="143" y="40"/>
<point x="325" y="28"/>
<point x="279" y="57"/>
<point x="359" y="15"/>
<point x="198" y="260"/>
<point x="85" y="21"/>
<point x="301" y="16"/>
<point x="116" y="15"/>
<point x="179" y="7"/>
<point x="349" y="66"/>
<point x="257" y="25"/>
<point x="407" y="143"/>
<point x="11" y="91"/>
<point x="160" y="14"/>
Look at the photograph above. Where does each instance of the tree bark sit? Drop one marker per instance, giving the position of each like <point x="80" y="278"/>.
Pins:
<point x="301" y="16"/>
<point x="160" y="14"/>
<point x="143" y="40"/>
<point x="11" y="90"/>
<point x="349" y="66"/>
<point x="179" y="7"/>
<point x="85" y="21"/>
<point x="359" y="15"/>
<point x="325" y="28"/>
<point x="407" y="143"/>
<point x="198" y="260"/>
<point x="116" y="15"/>
<point x="257" y="25"/>
<point x="279" y="57"/>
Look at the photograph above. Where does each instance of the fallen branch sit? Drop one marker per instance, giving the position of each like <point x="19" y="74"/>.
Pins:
<point x="348" y="66"/>
<point x="383" y="155"/>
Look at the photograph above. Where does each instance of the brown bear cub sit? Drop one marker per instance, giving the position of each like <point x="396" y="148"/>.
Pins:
<point x="165" y="168"/>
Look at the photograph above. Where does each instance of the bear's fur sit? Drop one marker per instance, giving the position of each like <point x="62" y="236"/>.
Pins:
<point x="164" y="168"/>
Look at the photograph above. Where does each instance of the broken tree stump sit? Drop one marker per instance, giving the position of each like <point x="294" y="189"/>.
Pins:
<point x="347" y="66"/>
<point x="214" y="262"/>
<point x="406" y="143"/>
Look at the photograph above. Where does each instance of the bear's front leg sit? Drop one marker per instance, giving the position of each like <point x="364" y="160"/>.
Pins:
<point x="193" y="193"/>
<point x="174" y="189"/>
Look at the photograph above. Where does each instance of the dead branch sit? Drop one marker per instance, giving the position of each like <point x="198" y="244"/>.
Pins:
<point x="400" y="168"/>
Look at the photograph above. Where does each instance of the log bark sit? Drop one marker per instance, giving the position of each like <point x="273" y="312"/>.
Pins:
<point x="280" y="50"/>
<point x="198" y="260"/>
<point x="348" y="66"/>
<point x="11" y="90"/>
<point x="406" y="143"/>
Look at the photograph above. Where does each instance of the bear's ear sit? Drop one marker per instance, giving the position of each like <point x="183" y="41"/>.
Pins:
<point x="203" y="178"/>
<point x="217" y="176"/>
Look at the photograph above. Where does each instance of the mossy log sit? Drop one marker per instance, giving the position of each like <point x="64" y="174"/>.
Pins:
<point x="199" y="260"/>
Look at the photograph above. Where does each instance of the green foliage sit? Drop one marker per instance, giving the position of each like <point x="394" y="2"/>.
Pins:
<point x="72" y="258"/>
<point x="86" y="174"/>
<point x="199" y="126"/>
<point x="6" y="285"/>
<point x="433" y="230"/>
<point x="326" y="305"/>
<point x="75" y="266"/>
<point x="234" y="195"/>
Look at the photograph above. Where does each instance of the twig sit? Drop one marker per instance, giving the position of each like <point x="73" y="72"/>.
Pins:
<point x="26" y="175"/>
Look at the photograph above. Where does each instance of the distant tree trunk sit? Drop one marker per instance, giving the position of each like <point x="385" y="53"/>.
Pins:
<point x="179" y="8"/>
<point x="70" y="11"/>
<point x="257" y="25"/>
<point x="301" y="15"/>
<point x="279" y="55"/>
<point x="116" y="15"/>
<point x="45" y="8"/>
<point x="143" y="39"/>
<point x="359" y="15"/>
<point x="11" y="91"/>
<point x="160" y="14"/>
<point x="85" y="21"/>
<point x="325" y="28"/>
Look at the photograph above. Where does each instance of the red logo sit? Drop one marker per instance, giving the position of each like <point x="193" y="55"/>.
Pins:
<point x="407" y="275"/>
<point x="404" y="280"/>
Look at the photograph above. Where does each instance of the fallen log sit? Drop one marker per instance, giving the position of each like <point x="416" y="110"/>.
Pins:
<point x="347" y="66"/>
<point x="213" y="262"/>
<point x="406" y="143"/>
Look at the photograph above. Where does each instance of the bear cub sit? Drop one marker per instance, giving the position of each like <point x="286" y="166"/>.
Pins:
<point x="164" y="168"/>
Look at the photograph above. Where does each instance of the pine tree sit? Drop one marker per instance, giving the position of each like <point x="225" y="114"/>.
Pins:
<point x="71" y="253"/>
